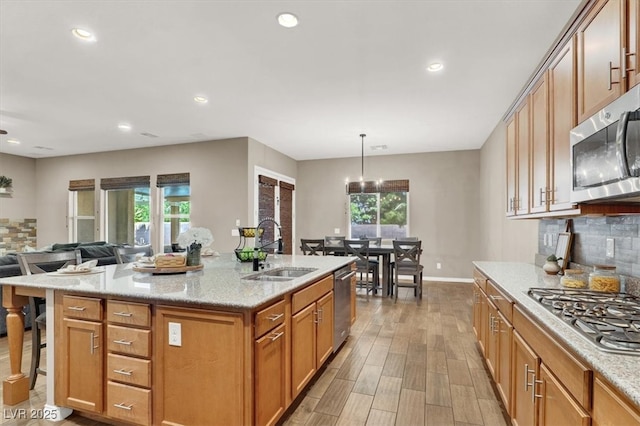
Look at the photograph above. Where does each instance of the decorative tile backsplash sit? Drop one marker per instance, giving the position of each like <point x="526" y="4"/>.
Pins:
<point x="15" y="234"/>
<point x="590" y="236"/>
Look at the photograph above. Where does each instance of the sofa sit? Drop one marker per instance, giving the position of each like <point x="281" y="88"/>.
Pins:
<point x="100" y="250"/>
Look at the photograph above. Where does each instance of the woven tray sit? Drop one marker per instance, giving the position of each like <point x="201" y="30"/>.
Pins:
<point x="165" y="261"/>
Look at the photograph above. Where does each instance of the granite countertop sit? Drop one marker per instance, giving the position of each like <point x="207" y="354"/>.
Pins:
<point x="517" y="278"/>
<point x="220" y="283"/>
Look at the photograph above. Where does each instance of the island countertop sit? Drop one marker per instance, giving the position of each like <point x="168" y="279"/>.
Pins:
<point x="220" y="283"/>
<point x="516" y="279"/>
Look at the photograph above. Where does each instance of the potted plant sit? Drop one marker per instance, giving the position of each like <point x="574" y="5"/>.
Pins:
<point x="5" y="184"/>
<point x="551" y="266"/>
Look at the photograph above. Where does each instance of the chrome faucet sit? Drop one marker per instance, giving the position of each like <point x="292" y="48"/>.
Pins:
<point x="257" y="247"/>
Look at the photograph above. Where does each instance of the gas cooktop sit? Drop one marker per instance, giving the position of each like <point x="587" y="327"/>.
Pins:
<point x="609" y="320"/>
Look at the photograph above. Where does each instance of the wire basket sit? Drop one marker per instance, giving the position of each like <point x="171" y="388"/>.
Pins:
<point x="247" y="255"/>
<point x="249" y="232"/>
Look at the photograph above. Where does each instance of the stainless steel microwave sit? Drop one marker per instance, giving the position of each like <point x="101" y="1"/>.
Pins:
<point x="605" y="153"/>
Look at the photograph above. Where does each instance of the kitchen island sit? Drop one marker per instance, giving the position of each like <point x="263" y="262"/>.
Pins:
<point x="546" y="372"/>
<point x="210" y="346"/>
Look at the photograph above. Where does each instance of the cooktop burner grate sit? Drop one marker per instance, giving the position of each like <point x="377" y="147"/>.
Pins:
<point x="611" y="321"/>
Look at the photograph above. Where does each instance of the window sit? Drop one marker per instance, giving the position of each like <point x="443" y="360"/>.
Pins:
<point x="175" y="193"/>
<point x="82" y="210"/>
<point x="127" y="210"/>
<point x="379" y="210"/>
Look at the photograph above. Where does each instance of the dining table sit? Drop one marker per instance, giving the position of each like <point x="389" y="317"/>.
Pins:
<point x="383" y="251"/>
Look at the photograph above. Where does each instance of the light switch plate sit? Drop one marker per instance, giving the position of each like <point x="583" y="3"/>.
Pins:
<point x="175" y="334"/>
<point x="235" y="232"/>
<point x="336" y="231"/>
<point x="610" y="247"/>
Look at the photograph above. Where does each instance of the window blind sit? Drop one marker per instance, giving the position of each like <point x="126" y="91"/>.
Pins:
<point x="370" y="187"/>
<point x="125" y="182"/>
<point x="82" y="185"/>
<point x="173" y="179"/>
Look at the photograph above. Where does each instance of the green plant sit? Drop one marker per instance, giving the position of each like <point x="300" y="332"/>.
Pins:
<point x="553" y="258"/>
<point x="5" y="182"/>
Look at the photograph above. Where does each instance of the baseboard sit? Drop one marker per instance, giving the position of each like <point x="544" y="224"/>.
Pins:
<point x="448" y="280"/>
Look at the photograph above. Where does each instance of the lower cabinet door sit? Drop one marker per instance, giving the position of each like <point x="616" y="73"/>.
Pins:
<point x="525" y="370"/>
<point x="303" y="348"/>
<point x="504" y="370"/>
<point x="82" y="365"/>
<point x="270" y="376"/>
<point x="129" y="403"/>
<point x="609" y="409"/>
<point x="324" y="346"/>
<point x="557" y="407"/>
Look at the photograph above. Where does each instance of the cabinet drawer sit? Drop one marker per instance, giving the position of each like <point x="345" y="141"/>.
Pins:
<point x="573" y="374"/>
<point x="130" y="341"/>
<point x="134" y="371"/>
<point x="82" y="307"/>
<point x="128" y="313"/>
<point x="269" y="318"/>
<point x="129" y="403"/>
<point x="502" y="302"/>
<point x="312" y="293"/>
<point x="480" y="279"/>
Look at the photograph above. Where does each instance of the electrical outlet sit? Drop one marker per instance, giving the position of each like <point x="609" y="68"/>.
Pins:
<point x="438" y="265"/>
<point x="610" y="247"/>
<point x="175" y="334"/>
<point x="336" y="231"/>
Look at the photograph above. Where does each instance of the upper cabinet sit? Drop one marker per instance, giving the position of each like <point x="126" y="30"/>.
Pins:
<point x="632" y="66"/>
<point x="511" y="166"/>
<point x="539" y="189"/>
<point x="600" y="39"/>
<point x="522" y="156"/>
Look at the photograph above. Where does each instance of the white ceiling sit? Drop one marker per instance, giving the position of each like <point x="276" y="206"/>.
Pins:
<point x="349" y="67"/>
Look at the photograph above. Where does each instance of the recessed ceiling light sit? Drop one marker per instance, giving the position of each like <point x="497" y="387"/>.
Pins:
<point x="83" y="34"/>
<point x="200" y="99"/>
<point x="13" y="141"/>
<point x="287" y="20"/>
<point x="435" y="66"/>
<point x="125" y="127"/>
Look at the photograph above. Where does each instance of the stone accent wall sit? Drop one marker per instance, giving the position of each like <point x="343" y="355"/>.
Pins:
<point x="589" y="244"/>
<point x="15" y="234"/>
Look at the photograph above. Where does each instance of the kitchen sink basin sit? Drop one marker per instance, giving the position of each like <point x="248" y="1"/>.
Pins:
<point x="280" y="274"/>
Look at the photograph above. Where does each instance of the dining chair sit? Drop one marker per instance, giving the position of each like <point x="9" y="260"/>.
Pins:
<point x="311" y="247"/>
<point x="407" y="239"/>
<point x="129" y="254"/>
<point x="407" y="262"/>
<point x="365" y="265"/>
<point x="39" y="263"/>
<point x="333" y="240"/>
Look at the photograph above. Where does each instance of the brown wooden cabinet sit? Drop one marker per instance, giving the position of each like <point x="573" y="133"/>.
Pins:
<point x="511" y="167"/>
<point x="504" y="330"/>
<point x="80" y="353"/>
<point x="556" y="406"/>
<point x="525" y="371"/>
<point x="539" y="177"/>
<point x="311" y="332"/>
<point x="203" y="380"/>
<point x="271" y="368"/>
<point x="522" y="159"/>
<point x="600" y="38"/>
<point x="562" y="118"/>
<point x="632" y="65"/>
<point x="610" y="408"/>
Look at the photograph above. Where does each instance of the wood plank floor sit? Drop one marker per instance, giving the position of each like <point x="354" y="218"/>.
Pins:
<point x="405" y="363"/>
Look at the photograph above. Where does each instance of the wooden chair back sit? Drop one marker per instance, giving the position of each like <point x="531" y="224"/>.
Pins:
<point x="311" y="247"/>
<point x="39" y="263"/>
<point x="129" y="254"/>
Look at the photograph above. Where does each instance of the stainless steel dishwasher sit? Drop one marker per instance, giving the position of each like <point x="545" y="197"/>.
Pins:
<point x="341" y="305"/>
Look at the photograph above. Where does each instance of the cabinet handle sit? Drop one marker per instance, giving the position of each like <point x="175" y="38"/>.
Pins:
<point x="123" y="342"/>
<point x="124" y="372"/>
<point x="123" y="314"/>
<point x="526" y="375"/>
<point x="276" y="336"/>
<point x="274" y="317"/>
<point x="320" y="315"/>
<point x="611" y="68"/>
<point x="316" y="321"/>
<point x="124" y="406"/>
<point x="93" y="348"/>
<point x="626" y="55"/>
<point x="494" y="297"/>
<point x="77" y="308"/>
<point x="534" y="395"/>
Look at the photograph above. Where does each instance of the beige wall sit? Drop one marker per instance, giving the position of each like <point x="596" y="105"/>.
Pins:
<point x="218" y="174"/>
<point x="502" y="239"/>
<point x="444" y="195"/>
<point x="21" y="204"/>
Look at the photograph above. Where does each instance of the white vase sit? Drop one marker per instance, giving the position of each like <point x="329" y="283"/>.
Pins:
<point x="551" y="267"/>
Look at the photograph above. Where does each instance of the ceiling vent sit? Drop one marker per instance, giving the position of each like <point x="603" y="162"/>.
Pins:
<point x="44" y="148"/>
<point x="149" y="135"/>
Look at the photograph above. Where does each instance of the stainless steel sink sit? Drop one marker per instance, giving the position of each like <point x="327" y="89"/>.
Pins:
<point x="280" y="274"/>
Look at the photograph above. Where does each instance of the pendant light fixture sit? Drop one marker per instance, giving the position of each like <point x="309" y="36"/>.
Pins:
<point x="363" y="183"/>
